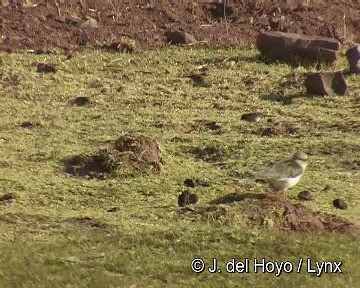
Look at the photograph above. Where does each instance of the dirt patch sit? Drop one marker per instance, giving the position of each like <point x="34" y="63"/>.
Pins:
<point x="87" y="222"/>
<point x="75" y="24"/>
<point x="211" y="153"/>
<point x="100" y="165"/>
<point x="131" y="154"/>
<point x="204" y="125"/>
<point x="275" y="212"/>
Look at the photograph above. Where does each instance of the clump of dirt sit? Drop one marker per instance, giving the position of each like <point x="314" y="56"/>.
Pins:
<point x="273" y="211"/>
<point x="73" y="24"/>
<point x="144" y="151"/>
<point x="131" y="154"/>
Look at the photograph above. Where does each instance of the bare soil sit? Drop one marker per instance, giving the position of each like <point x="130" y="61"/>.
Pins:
<point x="63" y="24"/>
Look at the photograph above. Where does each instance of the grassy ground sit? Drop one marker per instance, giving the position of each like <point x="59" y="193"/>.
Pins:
<point x="46" y="239"/>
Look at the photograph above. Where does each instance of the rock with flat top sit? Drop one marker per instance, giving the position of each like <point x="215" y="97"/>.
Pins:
<point x="277" y="45"/>
<point x="326" y="83"/>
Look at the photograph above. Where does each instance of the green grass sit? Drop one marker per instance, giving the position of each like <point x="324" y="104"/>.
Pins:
<point x="148" y="242"/>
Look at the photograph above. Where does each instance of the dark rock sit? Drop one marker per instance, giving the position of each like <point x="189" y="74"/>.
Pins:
<point x="186" y="198"/>
<point x="305" y="196"/>
<point x="353" y="56"/>
<point x="46" y="68"/>
<point x="183" y="198"/>
<point x="340" y="204"/>
<point x="283" y="46"/>
<point x="326" y="83"/>
<point x="179" y="37"/>
<point x="193" y="199"/>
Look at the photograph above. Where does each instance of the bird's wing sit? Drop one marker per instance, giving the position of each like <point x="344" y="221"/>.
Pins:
<point x="280" y="169"/>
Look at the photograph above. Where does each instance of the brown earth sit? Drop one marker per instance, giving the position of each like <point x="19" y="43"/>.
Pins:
<point x="130" y="152"/>
<point x="62" y="24"/>
<point x="273" y="211"/>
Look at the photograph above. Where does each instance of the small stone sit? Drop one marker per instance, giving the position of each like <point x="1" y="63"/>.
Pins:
<point x="305" y="196"/>
<point x="340" y="204"/>
<point x="186" y="198"/>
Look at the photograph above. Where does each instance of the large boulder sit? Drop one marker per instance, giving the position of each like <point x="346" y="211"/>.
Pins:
<point x="326" y="83"/>
<point x="277" y="45"/>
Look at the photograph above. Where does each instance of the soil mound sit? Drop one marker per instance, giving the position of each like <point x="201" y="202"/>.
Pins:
<point x="275" y="212"/>
<point x="144" y="151"/>
<point x="131" y="154"/>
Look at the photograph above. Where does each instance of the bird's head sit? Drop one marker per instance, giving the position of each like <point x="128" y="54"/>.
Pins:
<point x="300" y="156"/>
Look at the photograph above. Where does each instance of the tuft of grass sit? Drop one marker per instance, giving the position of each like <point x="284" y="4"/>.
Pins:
<point x="128" y="231"/>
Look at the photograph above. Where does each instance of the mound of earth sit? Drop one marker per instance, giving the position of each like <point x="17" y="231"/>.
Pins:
<point x="144" y="151"/>
<point x="274" y="211"/>
<point x="130" y="155"/>
<point x="44" y="24"/>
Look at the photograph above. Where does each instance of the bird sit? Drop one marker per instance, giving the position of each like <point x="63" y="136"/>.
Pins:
<point x="285" y="173"/>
